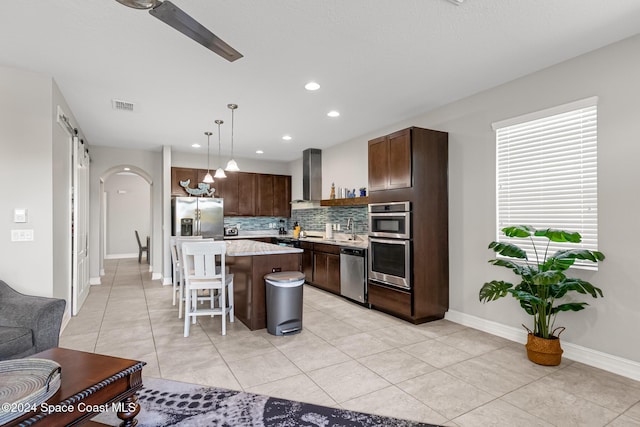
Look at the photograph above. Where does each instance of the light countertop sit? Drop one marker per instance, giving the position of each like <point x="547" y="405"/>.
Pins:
<point x="358" y="243"/>
<point x="251" y="247"/>
<point x="340" y="239"/>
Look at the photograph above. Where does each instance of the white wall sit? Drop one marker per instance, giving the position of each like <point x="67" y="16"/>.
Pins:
<point x="35" y="174"/>
<point x="103" y="162"/>
<point x="25" y="179"/>
<point x="128" y="209"/>
<point x="343" y="164"/>
<point x="198" y="160"/>
<point x="611" y="74"/>
<point x="608" y="324"/>
<point x="346" y="166"/>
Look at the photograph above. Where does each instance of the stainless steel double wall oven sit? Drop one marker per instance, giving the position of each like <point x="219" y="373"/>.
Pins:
<point x="390" y="255"/>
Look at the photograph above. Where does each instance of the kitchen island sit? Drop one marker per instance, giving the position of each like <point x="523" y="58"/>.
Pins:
<point x="250" y="261"/>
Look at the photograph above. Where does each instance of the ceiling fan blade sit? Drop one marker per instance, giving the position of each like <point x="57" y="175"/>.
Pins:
<point x="172" y="15"/>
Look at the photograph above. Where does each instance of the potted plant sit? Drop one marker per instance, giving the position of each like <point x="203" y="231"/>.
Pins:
<point x="543" y="285"/>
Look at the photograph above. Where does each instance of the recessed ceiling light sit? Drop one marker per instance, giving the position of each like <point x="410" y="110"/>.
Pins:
<point x="195" y="145"/>
<point x="312" y="86"/>
<point x="259" y="152"/>
<point x="287" y="137"/>
<point x="333" y="113"/>
<point x="127" y="169"/>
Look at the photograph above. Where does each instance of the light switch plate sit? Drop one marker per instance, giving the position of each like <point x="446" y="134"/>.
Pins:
<point x="19" y="215"/>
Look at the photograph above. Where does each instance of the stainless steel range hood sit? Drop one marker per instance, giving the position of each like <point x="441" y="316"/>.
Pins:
<point x="311" y="176"/>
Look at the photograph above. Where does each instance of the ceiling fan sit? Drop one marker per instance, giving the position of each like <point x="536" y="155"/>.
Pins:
<point x="171" y="14"/>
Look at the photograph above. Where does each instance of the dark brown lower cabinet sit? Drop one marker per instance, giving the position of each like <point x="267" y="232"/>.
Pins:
<point x="249" y="286"/>
<point x="307" y="261"/>
<point x="392" y="301"/>
<point x="321" y="266"/>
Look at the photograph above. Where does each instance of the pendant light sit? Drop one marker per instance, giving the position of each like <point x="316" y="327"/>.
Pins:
<point x="208" y="178"/>
<point x="219" y="172"/>
<point x="232" y="165"/>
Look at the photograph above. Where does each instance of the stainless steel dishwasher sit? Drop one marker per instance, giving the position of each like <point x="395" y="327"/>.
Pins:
<point x="353" y="274"/>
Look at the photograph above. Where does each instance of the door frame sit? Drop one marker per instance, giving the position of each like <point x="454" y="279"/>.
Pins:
<point x="103" y="209"/>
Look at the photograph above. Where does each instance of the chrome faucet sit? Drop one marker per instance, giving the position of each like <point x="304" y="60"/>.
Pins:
<point x="351" y="226"/>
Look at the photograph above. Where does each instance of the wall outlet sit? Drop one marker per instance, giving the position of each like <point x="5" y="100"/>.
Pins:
<point x="21" y="235"/>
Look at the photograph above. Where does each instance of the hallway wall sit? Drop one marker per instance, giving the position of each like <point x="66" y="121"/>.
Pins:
<point x="128" y="209"/>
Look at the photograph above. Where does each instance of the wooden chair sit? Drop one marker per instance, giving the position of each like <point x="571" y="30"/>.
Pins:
<point x="204" y="269"/>
<point x="176" y="248"/>
<point x="142" y="248"/>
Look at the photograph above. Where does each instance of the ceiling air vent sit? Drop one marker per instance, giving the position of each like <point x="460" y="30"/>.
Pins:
<point x="122" y="105"/>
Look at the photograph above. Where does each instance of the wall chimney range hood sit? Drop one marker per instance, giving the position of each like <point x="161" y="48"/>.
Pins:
<point x="311" y="179"/>
<point x="312" y="174"/>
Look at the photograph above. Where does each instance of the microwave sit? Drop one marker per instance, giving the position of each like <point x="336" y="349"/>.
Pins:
<point x="391" y="220"/>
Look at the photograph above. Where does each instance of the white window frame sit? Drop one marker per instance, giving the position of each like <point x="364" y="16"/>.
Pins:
<point x="534" y="185"/>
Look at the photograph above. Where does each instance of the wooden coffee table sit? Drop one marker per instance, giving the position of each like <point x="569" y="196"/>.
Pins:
<point x="90" y="384"/>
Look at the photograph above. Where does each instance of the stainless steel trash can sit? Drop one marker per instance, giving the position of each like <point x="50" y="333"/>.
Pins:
<point x="284" y="302"/>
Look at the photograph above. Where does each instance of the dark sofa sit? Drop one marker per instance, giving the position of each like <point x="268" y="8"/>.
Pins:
<point x="28" y="324"/>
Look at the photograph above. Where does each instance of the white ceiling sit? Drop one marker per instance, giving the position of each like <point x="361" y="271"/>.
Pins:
<point x="378" y="62"/>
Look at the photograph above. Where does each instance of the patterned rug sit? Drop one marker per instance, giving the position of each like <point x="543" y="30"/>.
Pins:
<point x="172" y="403"/>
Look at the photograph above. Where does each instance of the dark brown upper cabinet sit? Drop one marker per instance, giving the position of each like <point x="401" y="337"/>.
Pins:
<point x="390" y="161"/>
<point x="183" y="174"/>
<point x="227" y="188"/>
<point x="264" y="195"/>
<point x="244" y="193"/>
<point x="282" y="196"/>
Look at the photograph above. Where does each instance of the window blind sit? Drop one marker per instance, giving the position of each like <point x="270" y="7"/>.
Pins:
<point x="547" y="177"/>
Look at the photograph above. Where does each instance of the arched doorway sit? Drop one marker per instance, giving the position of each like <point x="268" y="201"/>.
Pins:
<point x="126" y="200"/>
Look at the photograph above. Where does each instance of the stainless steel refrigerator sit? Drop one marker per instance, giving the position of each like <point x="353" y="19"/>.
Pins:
<point x="197" y="216"/>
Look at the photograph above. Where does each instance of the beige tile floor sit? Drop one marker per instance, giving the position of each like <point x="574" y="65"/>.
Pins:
<point x="350" y="357"/>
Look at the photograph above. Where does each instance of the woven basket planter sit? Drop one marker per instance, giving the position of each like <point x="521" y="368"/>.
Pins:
<point x="544" y="351"/>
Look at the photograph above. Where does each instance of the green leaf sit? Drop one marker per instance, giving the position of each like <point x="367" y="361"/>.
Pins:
<point x="582" y="287"/>
<point x="508" y="249"/>
<point x="570" y="306"/>
<point x="574" y="254"/>
<point x="546" y="278"/>
<point x="517" y="268"/>
<point x="554" y="263"/>
<point x="527" y="307"/>
<point x="526" y="286"/>
<point x="521" y="231"/>
<point x="493" y="290"/>
<point x="559" y="235"/>
<point x="559" y="290"/>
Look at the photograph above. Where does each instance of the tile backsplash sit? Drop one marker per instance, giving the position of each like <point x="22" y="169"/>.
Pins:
<point x="315" y="219"/>
<point x="309" y="219"/>
<point x="255" y="223"/>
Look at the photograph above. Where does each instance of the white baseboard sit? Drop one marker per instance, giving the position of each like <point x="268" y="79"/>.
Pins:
<point x="167" y="281"/>
<point x="95" y="281"/>
<point x="156" y="276"/>
<point x="595" y="358"/>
